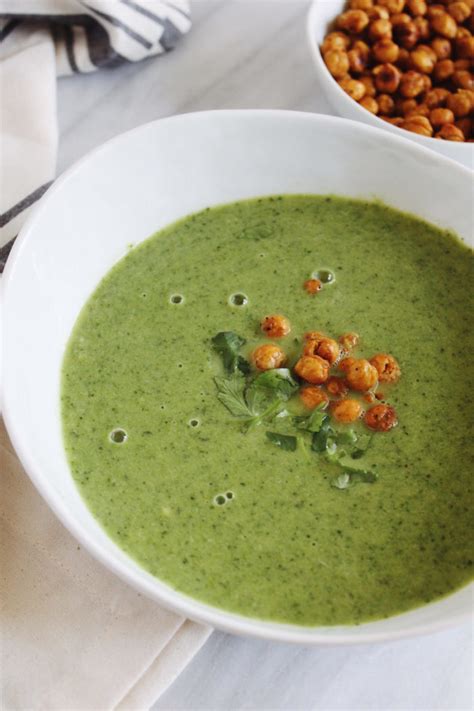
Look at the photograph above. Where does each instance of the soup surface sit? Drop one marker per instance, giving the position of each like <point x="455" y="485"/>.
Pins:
<point x="214" y="508"/>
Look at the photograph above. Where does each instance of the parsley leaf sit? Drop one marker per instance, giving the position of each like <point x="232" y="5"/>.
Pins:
<point x="314" y="421"/>
<point x="286" y="442"/>
<point x="320" y="440"/>
<point x="228" y="344"/>
<point x="276" y="383"/>
<point x="232" y="395"/>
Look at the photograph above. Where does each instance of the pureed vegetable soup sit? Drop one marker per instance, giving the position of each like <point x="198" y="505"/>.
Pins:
<point x="218" y="479"/>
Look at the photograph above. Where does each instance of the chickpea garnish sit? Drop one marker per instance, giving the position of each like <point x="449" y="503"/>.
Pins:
<point x="380" y="29"/>
<point x="464" y="125"/>
<point x="393" y="120"/>
<point x="378" y="13"/>
<point x="337" y="387"/>
<point x="465" y="47"/>
<point x="386" y="104"/>
<point x="323" y="347"/>
<point x="349" y="340"/>
<point x="421" y="110"/>
<point x="337" y="62"/>
<point x="441" y="47"/>
<point x="361" y="4"/>
<point x="440" y="116"/>
<point x="406" y="34"/>
<point x="346" y="363"/>
<point x="443" y="24"/>
<point x="387" y="78"/>
<point x="312" y="286"/>
<point x="444" y="69"/>
<point x="357" y="61"/>
<point x="353" y="21"/>
<point x="463" y="79"/>
<point x="335" y="40"/>
<point x="312" y="397"/>
<point x="393" y="6"/>
<point x="423" y="59"/>
<point x="450" y="132"/>
<point x="460" y="11"/>
<point x="460" y="104"/>
<point x="403" y="61"/>
<point x="411" y="84"/>
<point x="313" y="369"/>
<point x="355" y="89"/>
<point x="417" y="8"/>
<point x="423" y="28"/>
<point x="385" y="50"/>
<point x="381" y="418"/>
<point x="268" y="357"/>
<point x="368" y="82"/>
<point x="275" y="326"/>
<point x="386" y="366"/>
<point x="418" y="124"/>
<point x="369" y="104"/>
<point x="361" y="375"/>
<point x="436" y="97"/>
<point x="347" y="410"/>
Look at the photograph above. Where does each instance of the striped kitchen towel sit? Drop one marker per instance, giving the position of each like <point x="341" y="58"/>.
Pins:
<point x="43" y="39"/>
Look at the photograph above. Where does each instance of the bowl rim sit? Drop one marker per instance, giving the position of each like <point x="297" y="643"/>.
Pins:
<point x="365" y="116"/>
<point x="154" y="588"/>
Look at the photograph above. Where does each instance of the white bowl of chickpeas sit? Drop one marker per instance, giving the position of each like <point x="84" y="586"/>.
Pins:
<point x="403" y="65"/>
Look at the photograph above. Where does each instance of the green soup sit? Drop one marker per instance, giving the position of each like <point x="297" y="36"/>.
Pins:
<point x="285" y="545"/>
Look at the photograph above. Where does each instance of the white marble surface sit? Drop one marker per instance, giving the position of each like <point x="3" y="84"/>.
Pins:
<point x="248" y="54"/>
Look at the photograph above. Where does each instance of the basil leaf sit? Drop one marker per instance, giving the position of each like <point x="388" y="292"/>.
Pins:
<point x="286" y="442"/>
<point x="232" y="395"/>
<point x="228" y="344"/>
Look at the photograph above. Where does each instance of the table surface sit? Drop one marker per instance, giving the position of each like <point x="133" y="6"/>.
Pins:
<point x="253" y="54"/>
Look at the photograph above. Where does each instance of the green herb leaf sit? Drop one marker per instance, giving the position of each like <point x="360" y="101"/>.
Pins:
<point x="228" y="344"/>
<point x="232" y="395"/>
<point x="314" y="421"/>
<point x="342" y="481"/>
<point x="286" y="442"/>
<point x="277" y="382"/>
<point x="319" y="442"/>
<point x="348" y="478"/>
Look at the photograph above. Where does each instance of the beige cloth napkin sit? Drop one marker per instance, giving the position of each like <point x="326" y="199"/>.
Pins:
<point x="74" y="637"/>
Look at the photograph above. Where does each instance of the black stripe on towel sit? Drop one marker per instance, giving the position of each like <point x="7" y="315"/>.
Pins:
<point x="4" y="252"/>
<point x="69" y="43"/>
<point x="27" y="201"/>
<point x="170" y="35"/>
<point x="8" y="28"/>
<point x="118" y="23"/>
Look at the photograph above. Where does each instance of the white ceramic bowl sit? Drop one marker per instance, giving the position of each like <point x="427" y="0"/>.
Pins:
<point x="125" y="191"/>
<point x="321" y="15"/>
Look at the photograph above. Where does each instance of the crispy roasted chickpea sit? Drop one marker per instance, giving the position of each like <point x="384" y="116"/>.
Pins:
<point x="312" y="286"/>
<point x="406" y="34"/>
<point x="313" y="369"/>
<point x="393" y="120"/>
<point x="423" y="28"/>
<point x="436" y="97"/>
<point x="369" y="84"/>
<point x="324" y="347"/>
<point x="393" y="6"/>
<point x="361" y="4"/>
<point x="369" y="104"/>
<point x="380" y="29"/>
<point x="313" y="396"/>
<point x="443" y="24"/>
<point x="411" y="84"/>
<point x="346" y="363"/>
<point x="427" y="83"/>
<point x="381" y="418"/>
<point x="443" y="70"/>
<point x="421" y="110"/>
<point x="417" y="8"/>
<point x="386" y="366"/>
<point x="387" y="78"/>
<point x="335" y="40"/>
<point x="337" y="387"/>
<point x="361" y="375"/>
<point x="378" y="13"/>
<point x="438" y="117"/>
<point x="355" y="89"/>
<point x="465" y="47"/>
<point x="462" y="64"/>
<point x="464" y="125"/>
<point x="407" y="106"/>
<point x="463" y="79"/>
<point x="368" y="397"/>
<point x="400" y="18"/>
<point x="385" y="51"/>
<point x="459" y="11"/>
<point x="450" y="132"/>
<point x="460" y="103"/>
<point x="423" y="59"/>
<point x="349" y="340"/>
<point x="268" y="356"/>
<point x="403" y="61"/>
<point x="347" y="410"/>
<point x="441" y="47"/>
<point x="357" y="61"/>
<point x="418" y="124"/>
<point x="275" y="326"/>
<point x="337" y="62"/>
<point x="386" y="104"/>
<point x="435" y="9"/>
<point x="353" y="21"/>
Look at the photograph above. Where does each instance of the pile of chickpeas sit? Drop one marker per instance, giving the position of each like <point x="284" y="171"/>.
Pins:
<point x="408" y="61"/>
<point x="328" y="373"/>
